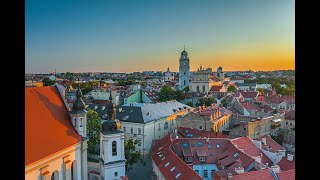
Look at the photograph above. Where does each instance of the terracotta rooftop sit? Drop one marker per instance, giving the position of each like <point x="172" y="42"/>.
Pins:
<point x="195" y="133"/>
<point x="251" y="149"/>
<point x="273" y="145"/>
<point x="265" y="174"/>
<point x="48" y="127"/>
<point x="250" y="94"/>
<point x="285" y="164"/>
<point x="216" y="88"/>
<point x="169" y="164"/>
<point x="287" y="175"/>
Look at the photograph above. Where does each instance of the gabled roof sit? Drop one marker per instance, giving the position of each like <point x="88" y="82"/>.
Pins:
<point x="250" y="94"/>
<point x="287" y="175"/>
<point x="169" y="164"/>
<point x="273" y="145"/>
<point x="216" y="88"/>
<point x="285" y="164"/>
<point x="265" y="174"/>
<point x="250" y="148"/>
<point x="48" y="127"/>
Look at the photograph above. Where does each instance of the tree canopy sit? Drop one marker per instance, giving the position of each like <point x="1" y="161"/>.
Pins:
<point x="206" y="101"/>
<point x="232" y="89"/>
<point x="167" y="93"/>
<point x="93" y="128"/>
<point x="131" y="155"/>
<point x="48" y="82"/>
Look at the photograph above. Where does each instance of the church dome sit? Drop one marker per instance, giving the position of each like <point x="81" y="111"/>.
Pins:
<point x="220" y="68"/>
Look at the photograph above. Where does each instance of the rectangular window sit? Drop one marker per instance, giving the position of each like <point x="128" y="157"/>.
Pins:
<point x="205" y="173"/>
<point x="139" y="142"/>
<point x="189" y="159"/>
<point x="212" y="173"/>
<point x="124" y="129"/>
<point x="131" y="130"/>
<point x="286" y="123"/>
<point x="139" y="131"/>
<point x="159" y="127"/>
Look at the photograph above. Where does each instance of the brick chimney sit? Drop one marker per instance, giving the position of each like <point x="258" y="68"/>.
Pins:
<point x="229" y="176"/>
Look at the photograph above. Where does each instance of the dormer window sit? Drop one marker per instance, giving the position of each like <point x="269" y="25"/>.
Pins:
<point x="202" y="158"/>
<point x="189" y="159"/>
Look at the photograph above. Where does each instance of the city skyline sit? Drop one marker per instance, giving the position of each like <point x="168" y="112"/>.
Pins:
<point x="106" y="36"/>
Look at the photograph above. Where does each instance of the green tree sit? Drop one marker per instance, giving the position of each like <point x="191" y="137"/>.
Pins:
<point x="261" y="91"/>
<point x="206" y="101"/>
<point x="166" y="94"/>
<point x="186" y="89"/>
<point x="131" y="155"/>
<point x="190" y="104"/>
<point x="48" y="82"/>
<point x="232" y="89"/>
<point x="93" y="128"/>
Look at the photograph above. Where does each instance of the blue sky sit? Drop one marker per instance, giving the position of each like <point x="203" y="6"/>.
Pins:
<point x="126" y="36"/>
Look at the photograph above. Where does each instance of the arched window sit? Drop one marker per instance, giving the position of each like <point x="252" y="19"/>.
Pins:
<point x="203" y="88"/>
<point x="198" y="89"/>
<point x="166" y="125"/>
<point x="74" y="170"/>
<point x="114" y="148"/>
<point x="55" y="175"/>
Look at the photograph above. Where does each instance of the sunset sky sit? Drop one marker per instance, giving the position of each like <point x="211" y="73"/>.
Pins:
<point x="127" y="36"/>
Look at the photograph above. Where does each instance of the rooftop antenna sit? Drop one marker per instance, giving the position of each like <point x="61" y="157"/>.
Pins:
<point x="184" y="47"/>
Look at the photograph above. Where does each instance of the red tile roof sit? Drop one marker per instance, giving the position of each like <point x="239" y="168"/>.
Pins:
<point x="251" y="149"/>
<point x="265" y="174"/>
<point x="200" y="133"/>
<point x="250" y="94"/>
<point x="216" y="88"/>
<point x="164" y="155"/>
<point x="291" y="115"/>
<point x="48" y="127"/>
<point x="285" y="164"/>
<point x="278" y="99"/>
<point x="273" y="145"/>
<point x="287" y="175"/>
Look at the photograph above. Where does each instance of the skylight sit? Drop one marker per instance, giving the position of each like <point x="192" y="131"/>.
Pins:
<point x="185" y="145"/>
<point x="235" y="154"/>
<point x="192" y="145"/>
<point x="218" y="146"/>
<point x="167" y="164"/>
<point x="172" y="168"/>
<point x="178" y="175"/>
<point x="211" y="154"/>
<point x="199" y="144"/>
<point x="163" y="158"/>
<point x="209" y="146"/>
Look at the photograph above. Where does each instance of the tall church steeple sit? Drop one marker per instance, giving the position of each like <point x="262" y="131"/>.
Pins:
<point x="111" y="108"/>
<point x="79" y="114"/>
<point x="184" y="70"/>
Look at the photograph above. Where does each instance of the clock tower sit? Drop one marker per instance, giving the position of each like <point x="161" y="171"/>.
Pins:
<point x="184" y="70"/>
